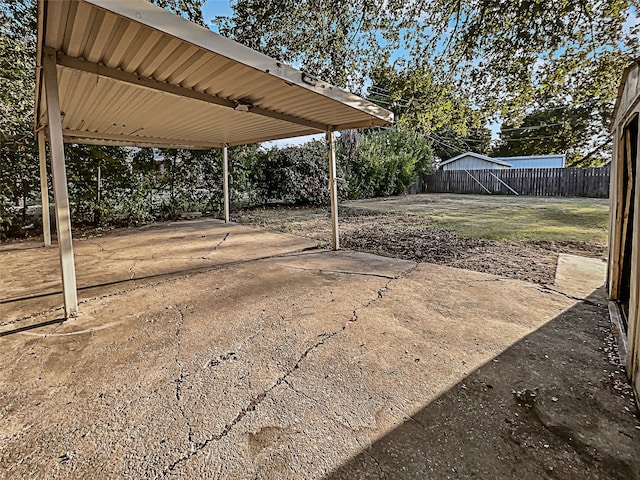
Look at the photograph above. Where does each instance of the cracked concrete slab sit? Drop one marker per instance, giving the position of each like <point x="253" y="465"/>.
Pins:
<point x="298" y="365"/>
<point x="125" y="259"/>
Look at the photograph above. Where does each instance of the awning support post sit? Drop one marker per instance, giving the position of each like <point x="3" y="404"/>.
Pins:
<point x="225" y="182"/>
<point x="60" y="193"/>
<point x="44" y="190"/>
<point x="333" y="190"/>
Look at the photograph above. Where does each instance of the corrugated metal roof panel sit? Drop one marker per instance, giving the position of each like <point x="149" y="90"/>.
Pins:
<point x="133" y="70"/>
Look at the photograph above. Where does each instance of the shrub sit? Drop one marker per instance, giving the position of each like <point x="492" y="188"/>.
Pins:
<point x="296" y="175"/>
<point x="387" y="162"/>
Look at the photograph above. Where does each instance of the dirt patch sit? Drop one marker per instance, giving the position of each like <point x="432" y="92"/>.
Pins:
<point x="415" y="238"/>
<point x="444" y="247"/>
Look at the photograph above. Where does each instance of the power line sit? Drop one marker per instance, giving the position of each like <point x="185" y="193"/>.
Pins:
<point x="526" y="138"/>
<point x="534" y="127"/>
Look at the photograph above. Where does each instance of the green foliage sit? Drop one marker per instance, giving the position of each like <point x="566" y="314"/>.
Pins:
<point x="335" y="40"/>
<point x="190" y="9"/>
<point x="421" y="100"/>
<point x="296" y="175"/>
<point x="504" y="57"/>
<point x="557" y="130"/>
<point x="83" y="162"/>
<point x="18" y="154"/>
<point x="448" y="143"/>
<point x="189" y="180"/>
<point x="386" y="163"/>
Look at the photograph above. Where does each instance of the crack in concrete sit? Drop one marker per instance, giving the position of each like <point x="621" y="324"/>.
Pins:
<point x="226" y="235"/>
<point x="222" y="358"/>
<point x="100" y="247"/>
<point x="250" y="407"/>
<point x="547" y="289"/>
<point x="375" y="460"/>
<point x="131" y="269"/>
<point x="181" y="373"/>
<point x="344" y="272"/>
<point x="385" y="288"/>
<point x="32" y="316"/>
<point x="417" y="421"/>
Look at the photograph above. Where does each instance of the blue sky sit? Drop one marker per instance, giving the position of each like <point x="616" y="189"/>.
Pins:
<point x="214" y="8"/>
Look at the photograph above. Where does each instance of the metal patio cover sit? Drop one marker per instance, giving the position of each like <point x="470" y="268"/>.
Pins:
<point x="125" y="72"/>
<point x="131" y="73"/>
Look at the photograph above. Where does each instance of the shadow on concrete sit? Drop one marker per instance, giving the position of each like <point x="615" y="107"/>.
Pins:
<point x="55" y="321"/>
<point x="22" y="247"/>
<point x="158" y="277"/>
<point x="553" y="405"/>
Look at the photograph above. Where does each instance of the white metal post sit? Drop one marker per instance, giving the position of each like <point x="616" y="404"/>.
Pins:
<point x="60" y="193"/>
<point x="44" y="190"/>
<point x="333" y="190"/>
<point x="225" y="182"/>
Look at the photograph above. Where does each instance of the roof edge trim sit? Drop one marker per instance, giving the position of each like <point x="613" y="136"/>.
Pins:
<point x="149" y="15"/>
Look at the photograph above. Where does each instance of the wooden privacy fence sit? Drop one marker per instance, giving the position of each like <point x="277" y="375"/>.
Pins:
<point x="544" y="182"/>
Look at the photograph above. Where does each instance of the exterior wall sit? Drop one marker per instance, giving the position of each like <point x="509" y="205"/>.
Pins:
<point x="472" y="163"/>
<point x="623" y="279"/>
<point x="535" y="162"/>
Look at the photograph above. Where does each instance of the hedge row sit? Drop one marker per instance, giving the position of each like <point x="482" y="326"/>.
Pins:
<point x="109" y="185"/>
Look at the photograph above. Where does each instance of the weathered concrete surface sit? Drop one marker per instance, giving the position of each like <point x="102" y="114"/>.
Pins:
<point x="129" y="258"/>
<point x="578" y="276"/>
<point x="309" y="365"/>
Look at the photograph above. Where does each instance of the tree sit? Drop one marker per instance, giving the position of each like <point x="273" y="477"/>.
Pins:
<point x="574" y="131"/>
<point x="332" y="39"/>
<point x="448" y="143"/>
<point x="18" y="154"/>
<point x="386" y="163"/>
<point x="505" y="57"/>
<point x="191" y="9"/>
<point x="429" y="105"/>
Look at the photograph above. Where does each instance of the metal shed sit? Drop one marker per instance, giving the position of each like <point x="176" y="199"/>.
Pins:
<point x="624" y="230"/>
<point x="473" y="161"/>
<point x="536" y="161"/>
<point x="125" y="72"/>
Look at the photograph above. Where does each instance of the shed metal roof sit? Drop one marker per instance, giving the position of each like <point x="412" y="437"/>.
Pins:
<point x="475" y="155"/>
<point x="131" y="73"/>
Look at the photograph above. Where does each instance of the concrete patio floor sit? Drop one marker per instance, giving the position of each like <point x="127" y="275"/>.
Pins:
<point x="206" y="350"/>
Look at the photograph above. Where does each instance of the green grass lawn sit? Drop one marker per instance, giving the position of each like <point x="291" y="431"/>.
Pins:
<point x="504" y="218"/>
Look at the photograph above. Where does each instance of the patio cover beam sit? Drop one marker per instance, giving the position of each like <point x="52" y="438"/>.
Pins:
<point x="84" y="137"/>
<point x="145" y="82"/>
